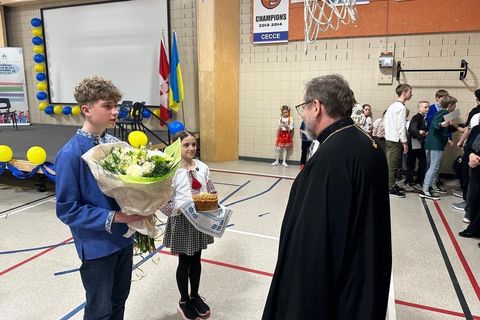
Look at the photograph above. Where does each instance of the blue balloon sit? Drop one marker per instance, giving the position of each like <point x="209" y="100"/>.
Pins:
<point x="146" y="113"/>
<point x="41" y="95"/>
<point x="37" y="41"/>
<point x="122" y="114"/>
<point x="49" y="109"/>
<point x="41" y="76"/>
<point x="175" y="127"/>
<point x="66" y="110"/>
<point x="35" y="22"/>
<point x="38" y="58"/>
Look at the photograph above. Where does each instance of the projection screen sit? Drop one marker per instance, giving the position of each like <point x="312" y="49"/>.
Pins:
<point x="117" y="40"/>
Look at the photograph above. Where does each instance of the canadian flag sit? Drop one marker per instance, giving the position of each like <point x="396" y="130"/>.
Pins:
<point x="164" y="72"/>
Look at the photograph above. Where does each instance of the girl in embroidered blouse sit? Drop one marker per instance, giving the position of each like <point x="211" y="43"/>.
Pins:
<point x="284" y="135"/>
<point x="192" y="177"/>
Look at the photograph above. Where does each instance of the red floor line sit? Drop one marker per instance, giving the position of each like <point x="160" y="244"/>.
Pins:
<point x="33" y="257"/>
<point x="460" y="255"/>
<point x="400" y="302"/>
<point x="227" y="265"/>
<point x="421" y="306"/>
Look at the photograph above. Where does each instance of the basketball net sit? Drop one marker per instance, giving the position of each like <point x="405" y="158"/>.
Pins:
<point x="321" y="15"/>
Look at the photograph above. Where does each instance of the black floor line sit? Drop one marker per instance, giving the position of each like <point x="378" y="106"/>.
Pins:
<point x="451" y="272"/>
<point x="27" y="203"/>
<point x="257" y="195"/>
<point x="235" y="191"/>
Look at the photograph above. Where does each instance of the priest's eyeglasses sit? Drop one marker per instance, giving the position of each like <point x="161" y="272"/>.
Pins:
<point x="301" y="106"/>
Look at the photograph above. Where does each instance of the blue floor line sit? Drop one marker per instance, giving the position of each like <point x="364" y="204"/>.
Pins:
<point x="235" y="191"/>
<point x="80" y="307"/>
<point x="66" y="272"/>
<point x="256" y="195"/>
<point x="34" y="249"/>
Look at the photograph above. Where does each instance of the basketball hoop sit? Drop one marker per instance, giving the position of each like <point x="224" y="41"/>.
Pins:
<point x="321" y="15"/>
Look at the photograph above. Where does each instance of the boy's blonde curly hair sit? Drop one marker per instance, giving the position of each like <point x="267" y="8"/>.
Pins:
<point x="95" y="88"/>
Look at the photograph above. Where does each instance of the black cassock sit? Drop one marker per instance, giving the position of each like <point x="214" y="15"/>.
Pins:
<point x="335" y="257"/>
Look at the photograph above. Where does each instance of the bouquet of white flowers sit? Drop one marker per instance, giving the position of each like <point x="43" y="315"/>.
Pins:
<point x="140" y="180"/>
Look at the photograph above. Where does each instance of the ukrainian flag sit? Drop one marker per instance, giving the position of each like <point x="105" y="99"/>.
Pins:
<point x="175" y="94"/>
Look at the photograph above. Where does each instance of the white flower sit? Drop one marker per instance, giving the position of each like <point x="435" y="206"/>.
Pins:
<point x="147" y="167"/>
<point x="134" y="170"/>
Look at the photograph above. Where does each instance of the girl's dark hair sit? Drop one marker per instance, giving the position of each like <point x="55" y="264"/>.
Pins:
<point x="182" y="135"/>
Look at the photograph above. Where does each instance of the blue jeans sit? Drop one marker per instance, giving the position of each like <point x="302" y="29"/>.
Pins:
<point x="435" y="157"/>
<point x="107" y="284"/>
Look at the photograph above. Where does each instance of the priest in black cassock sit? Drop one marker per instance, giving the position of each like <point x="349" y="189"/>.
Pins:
<point x="335" y="258"/>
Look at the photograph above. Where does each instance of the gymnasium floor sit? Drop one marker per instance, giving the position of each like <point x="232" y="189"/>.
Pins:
<point x="435" y="272"/>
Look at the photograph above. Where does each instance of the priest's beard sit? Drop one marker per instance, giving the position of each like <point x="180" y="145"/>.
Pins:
<point x="310" y="134"/>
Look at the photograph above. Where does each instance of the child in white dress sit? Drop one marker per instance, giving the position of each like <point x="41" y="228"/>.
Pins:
<point x="192" y="177"/>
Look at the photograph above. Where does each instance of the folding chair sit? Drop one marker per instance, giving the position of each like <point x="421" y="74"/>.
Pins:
<point x="7" y="113"/>
<point x="133" y="121"/>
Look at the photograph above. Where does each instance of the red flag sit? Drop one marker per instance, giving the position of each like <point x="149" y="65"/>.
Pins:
<point x="164" y="72"/>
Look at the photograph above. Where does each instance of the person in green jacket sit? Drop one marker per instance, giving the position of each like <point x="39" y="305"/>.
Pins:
<point x="435" y="143"/>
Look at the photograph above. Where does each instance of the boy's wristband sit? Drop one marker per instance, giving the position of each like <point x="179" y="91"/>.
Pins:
<point x="109" y="221"/>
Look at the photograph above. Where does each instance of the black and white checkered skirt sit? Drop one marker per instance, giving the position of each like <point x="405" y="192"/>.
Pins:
<point x="182" y="237"/>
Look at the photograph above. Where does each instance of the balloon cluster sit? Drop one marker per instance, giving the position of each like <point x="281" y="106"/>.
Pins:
<point x="35" y="155"/>
<point x="39" y="59"/>
<point x="39" y="67"/>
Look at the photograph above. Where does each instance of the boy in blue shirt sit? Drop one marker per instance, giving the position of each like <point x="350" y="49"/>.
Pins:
<point x="95" y="220"/>
<point x="435" y="107"/>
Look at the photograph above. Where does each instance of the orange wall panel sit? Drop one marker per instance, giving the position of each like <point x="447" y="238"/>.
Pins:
<point x="392" y="17"/>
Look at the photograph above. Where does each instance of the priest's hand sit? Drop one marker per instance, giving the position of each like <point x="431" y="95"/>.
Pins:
<point x="473" y="160"/>
<point x="405" y="148"/>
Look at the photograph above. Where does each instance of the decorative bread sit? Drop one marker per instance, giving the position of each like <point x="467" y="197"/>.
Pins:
<point x="205" y="201"/>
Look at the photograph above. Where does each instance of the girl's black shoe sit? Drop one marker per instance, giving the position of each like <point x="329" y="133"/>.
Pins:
<point x="187" y="310"/>
<point x="202" y="308"/>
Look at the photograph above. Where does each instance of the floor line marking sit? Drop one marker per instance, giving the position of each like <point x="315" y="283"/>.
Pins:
<point x="459" y="252"/>
<point x="448" y="264"/>
<point x="34" y="249"/>
<point x="234" y="191"/>
<point x="66" y="272"/>
<point x="135" y="266"/>
<point x="33" y="257"/>
<point x="7" y="214"/>
<point x="26" y="203"/>
<point x="397" y="301"/>
<point x="253" y="234"/>
<point x="253" y="174"/>
<point x="227" y="265"/>
<point x="226" y="184"/>
<point x="256" y="195"/>
<point x="433" y="309"/>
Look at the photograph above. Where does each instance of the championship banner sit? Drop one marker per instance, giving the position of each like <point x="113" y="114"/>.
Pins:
<point x="13" y="86"/>
<point x="270" y="21"/>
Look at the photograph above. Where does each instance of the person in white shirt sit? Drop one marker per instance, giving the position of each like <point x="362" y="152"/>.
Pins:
<point x="396" y="136"/>
<point x="368" y="125"/>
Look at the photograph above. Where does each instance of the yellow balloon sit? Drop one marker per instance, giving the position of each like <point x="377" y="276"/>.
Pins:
<point x="37" y="32"/>
<point x="76" y="111"/>
<point x="37" y="49"/>
<point x="157" y="112"/>
<point x="137" y="139"/>
<point x="42" y="106"/>
<point x="57" y="109"/>
<point x="6" y="154"/>
<point x="36" y="155"/>
<point x="39" y="67"/>
<point x="42" y="86"/>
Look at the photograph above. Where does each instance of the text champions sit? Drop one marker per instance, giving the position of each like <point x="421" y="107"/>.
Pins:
<point x="271" y="17"/>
